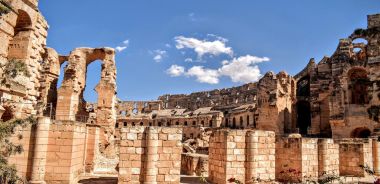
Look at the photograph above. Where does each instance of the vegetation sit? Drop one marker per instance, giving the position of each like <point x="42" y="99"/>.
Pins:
<point x="8" y="173"/>
<point x="12" y="69"/>
<point x="366" y="32"/>
<point x="4" y="8"/>
<point x="370" y="172"/>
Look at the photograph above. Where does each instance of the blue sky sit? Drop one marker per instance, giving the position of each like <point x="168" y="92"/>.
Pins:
<point x="173" y="46"/>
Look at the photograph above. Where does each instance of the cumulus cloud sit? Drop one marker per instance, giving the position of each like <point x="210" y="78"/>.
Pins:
<point x="242" y="69"/>
<point x="188" y="60"/>
<point x="175" y="71"/>
<point x="202" y="47"/>
<point x="203" y="75"/>
<point x="159" y="55"/>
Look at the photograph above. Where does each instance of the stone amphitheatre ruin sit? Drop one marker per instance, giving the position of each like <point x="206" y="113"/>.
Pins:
<point x="323" y="120"/>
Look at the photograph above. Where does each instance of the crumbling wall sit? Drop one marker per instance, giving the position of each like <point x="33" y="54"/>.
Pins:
<point x="220" y="98"/>
<point x="194" y="164"/>
<point x="353" y="154"/>
<point x="150" y="154"/>
<point x="70" y="104"/>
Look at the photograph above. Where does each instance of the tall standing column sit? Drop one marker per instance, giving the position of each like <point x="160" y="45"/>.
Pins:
<point x="40" y="151"/>
<point x="151" y="169"/>
<point x="376" y="155"/>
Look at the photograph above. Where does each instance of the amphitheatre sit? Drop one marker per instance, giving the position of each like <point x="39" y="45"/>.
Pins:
<point x="320" y="123"/>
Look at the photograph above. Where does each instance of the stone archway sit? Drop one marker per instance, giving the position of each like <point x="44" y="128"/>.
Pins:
<point x="70" y="104"/>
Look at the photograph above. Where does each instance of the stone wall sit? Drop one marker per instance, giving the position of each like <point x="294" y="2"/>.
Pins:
<point x="194" y="164"/>
<point x="328" y="157"/>
<point x="352" y="155"/>
<point x="240" y="154"/>
<point x="299" y="154"/>
<point x="150" y="154"/>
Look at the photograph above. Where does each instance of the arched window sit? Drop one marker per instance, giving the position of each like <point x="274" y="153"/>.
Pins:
<point x="194" y="123"/>
<point x="159" y="124"/>
<point x="359" y="83"/>
<point x="202" y="123"/>
<point x="185" y="123"/>
<point x="177" y="123"/>
<point x="141" y="124"/>
<point x="150" y="123"/>
<point x="241" y="121"/>
<point x="247" y="120"/>
<point x="133" y="124"/>
<point x="125" y="124"/>
<point x="210" y="123"/>
<point x="116" y="125"/>
<point x="7" y="115"/>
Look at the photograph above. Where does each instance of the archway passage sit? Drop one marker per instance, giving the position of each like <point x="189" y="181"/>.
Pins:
<point x="359" y="86"/>
<point x="303" y="116"/>
<point x="361" y="133"/>
<point x="303" y="87"/>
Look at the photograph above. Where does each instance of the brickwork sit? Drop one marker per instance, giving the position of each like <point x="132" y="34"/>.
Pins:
<point x="300" y="154"/>
<point x="328" y="157"/>
<point x="150" y="155"/>
<point x="241" y="154"/>
<point x="352" y="155"/>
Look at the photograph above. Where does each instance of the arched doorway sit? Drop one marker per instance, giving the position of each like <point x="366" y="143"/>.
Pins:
<point x="303" y="116"/>
<point x="19" y="45"/>
<point x="361" y="132"/>
<point x="358" y="86"/>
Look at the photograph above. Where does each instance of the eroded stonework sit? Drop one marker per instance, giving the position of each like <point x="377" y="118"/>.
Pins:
<point x="328" y="113"/>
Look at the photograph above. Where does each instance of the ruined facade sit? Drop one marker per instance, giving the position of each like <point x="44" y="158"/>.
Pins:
<point x="325" y="117"/>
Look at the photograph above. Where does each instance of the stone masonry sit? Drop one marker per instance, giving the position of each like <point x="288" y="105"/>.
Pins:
<point x="150" y="155"/>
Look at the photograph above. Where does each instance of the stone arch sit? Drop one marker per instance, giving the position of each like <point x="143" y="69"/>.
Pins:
<point x="303" y="87"/>
<point x="70" y="104"/>
<point x="21" y="41"/>
<point x="358" y="85"/>
<point x="361" y="132"/>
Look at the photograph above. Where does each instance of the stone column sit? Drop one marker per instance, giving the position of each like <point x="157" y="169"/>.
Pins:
<point x="252" y="144"/>
<point x="40" y="151"/>
<point x="151" y="158"/>
<point x="376" y="155"/>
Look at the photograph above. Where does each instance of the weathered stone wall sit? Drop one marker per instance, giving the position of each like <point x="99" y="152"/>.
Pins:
<point x="300" y="154"/>
<point x="150" y="154"/>
<point x="229" y="97"/>
<point x="240" y="154"/>
<point x="353" y="154"/>
<point x="194" y="164"/>
<point x="65" y="152"/>
<point x="328" y="157"/>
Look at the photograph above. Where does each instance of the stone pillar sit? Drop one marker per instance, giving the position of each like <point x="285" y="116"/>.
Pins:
<point x="376" y="155"/>
<point x="260" y="155"/>
<point x="151" y="169"/>
<point x="40" y="151"/>
<point x="328" y="157"/>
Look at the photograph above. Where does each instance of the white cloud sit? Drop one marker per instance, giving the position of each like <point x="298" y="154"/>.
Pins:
<point x="192" y="17"/>
<point x="202" y="47"/>
<point x="123" y="46"/>
<point x="242" y="69"/>
<point x="126" y="42"/>
<point x="188" y="60"/>
<point x="159" y="55"/>
<point x="168" y="45"/>
<point x="203" y="75"/>
<point x="175" y="71"/>
<point x="120" y="48"/>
